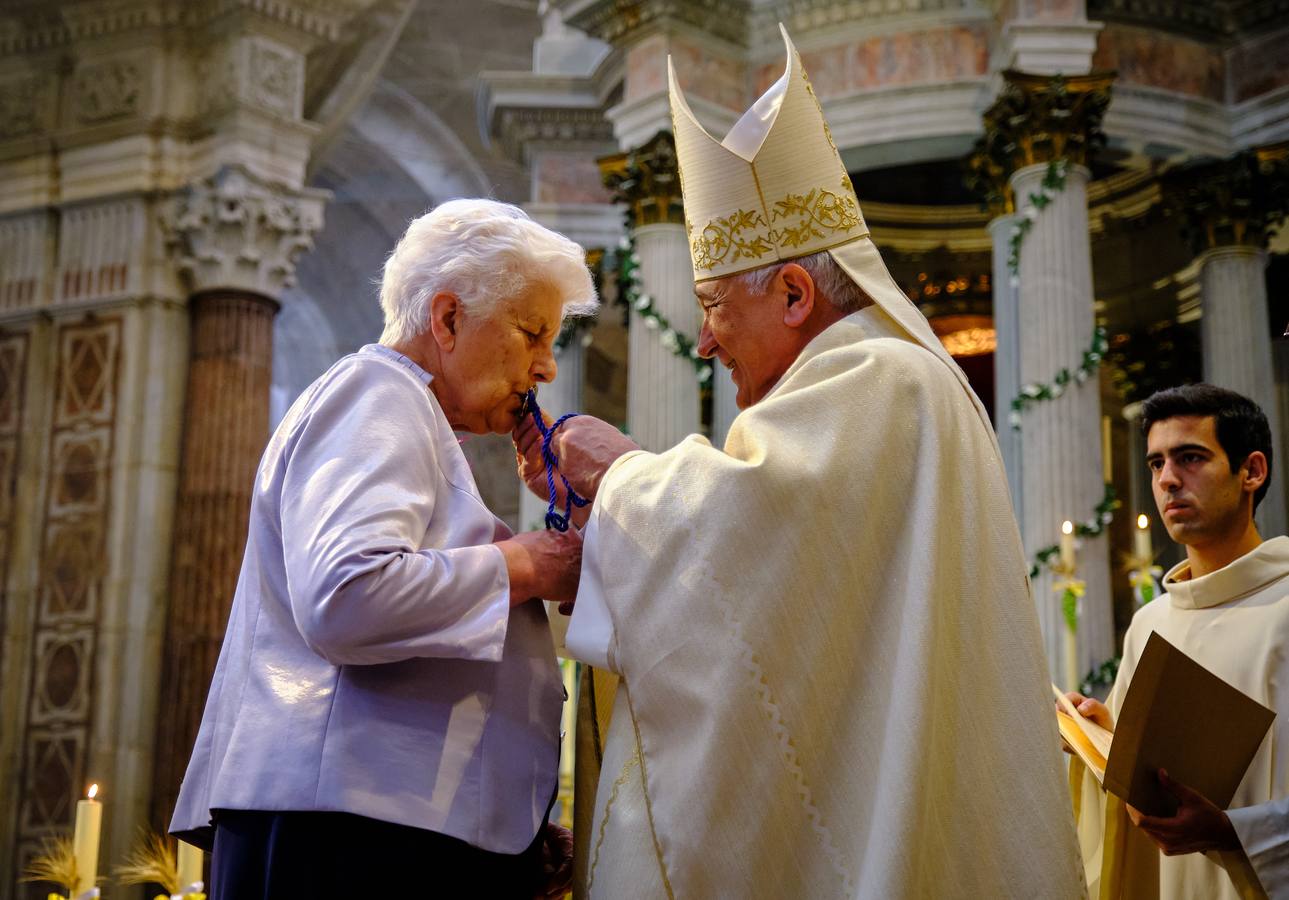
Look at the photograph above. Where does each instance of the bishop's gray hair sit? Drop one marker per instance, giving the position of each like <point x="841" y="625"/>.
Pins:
<point x="831" y="281"/>
<point x="483" y="252"/>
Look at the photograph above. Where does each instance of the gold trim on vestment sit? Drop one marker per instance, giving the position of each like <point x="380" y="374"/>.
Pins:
<point x="644" y="791"/>
<point x="623" y="776"/>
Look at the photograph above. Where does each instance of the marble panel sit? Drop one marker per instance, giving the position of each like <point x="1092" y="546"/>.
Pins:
<point x="1259" y="66"/>
<point x="568" y="177"/>
<point x="934" y="55"/>
<point x="1157" y="59"/>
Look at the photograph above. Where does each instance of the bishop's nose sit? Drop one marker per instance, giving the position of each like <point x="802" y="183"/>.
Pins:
<point x="707" y="345"/>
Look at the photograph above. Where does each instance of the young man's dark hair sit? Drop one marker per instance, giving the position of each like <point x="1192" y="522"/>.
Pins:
<point x="1241" y="424"/>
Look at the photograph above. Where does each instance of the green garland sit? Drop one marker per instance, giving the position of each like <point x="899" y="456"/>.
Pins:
<point x="1102" y="676"/>
<point x="1102" y="516"/>
<point x="630" y="292"/>
<point x="1053" y="183"/>
<point x="1035" y="391"/>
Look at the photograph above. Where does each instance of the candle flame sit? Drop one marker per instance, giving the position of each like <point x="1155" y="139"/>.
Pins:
<point x="1143" y="521"/>
<point x="93" y="791"/>
<point x="1067" y="527"/>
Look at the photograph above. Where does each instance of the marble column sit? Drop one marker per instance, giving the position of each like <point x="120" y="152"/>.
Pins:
<point x="1007" y="380"/>
<point x="226" y="426"/>
<point x="1060" y="440"/>
<point x="235" y="239"/>
<point x="1228" y="209"/>
<point x="662" y="390"/>
<point x="1044" y="318"/>
<point x="1237" y="349"/>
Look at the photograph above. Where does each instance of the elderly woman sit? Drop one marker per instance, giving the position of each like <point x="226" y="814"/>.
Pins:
<point x="384" y="717"/>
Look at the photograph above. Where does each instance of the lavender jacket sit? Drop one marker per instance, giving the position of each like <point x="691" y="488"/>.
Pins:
<point x="372" y="663"/>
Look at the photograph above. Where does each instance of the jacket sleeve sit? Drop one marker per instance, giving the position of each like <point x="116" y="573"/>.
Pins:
<point x="1264" y="834"/>
<point x="360" y="486"/>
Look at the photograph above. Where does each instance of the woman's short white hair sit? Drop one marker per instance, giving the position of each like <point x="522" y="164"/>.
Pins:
<point x="483" y="252"/>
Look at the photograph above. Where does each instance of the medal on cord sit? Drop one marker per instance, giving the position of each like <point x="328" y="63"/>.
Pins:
<point x="571" y="497"/>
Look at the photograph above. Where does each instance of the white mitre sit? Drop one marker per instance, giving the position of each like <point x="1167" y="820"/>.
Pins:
<point x="776" y="189"/>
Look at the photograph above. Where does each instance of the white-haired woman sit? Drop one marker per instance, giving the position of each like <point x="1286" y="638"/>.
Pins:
<point x="384" y="716"/>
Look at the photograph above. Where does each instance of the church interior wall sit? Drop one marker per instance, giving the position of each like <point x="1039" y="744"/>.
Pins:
<point x="94" y="334"/>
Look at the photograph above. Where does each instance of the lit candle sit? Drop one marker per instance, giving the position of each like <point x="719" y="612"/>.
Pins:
<point x="1141" y="540"/>
<point x="89" y="823"/>
<point x="190" y="865"/>
<point x="1067" y="547"/>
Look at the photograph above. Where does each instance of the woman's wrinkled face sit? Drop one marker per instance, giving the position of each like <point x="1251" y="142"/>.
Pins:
<point x="496" y="356"/>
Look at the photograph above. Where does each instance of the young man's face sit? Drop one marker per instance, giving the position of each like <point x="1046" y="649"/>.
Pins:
<point x="1199" y="498"/>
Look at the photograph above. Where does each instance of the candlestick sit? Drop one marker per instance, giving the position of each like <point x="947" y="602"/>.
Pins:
<point x="89" y="823"/>
<point x="1067" y="547"/>
<point x="1141" y="540"/>
<point x="190" y="865"/>
<point x="1107" y="464"/>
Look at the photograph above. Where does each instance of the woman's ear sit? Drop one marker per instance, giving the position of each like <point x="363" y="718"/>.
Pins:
<point x="445" y="316"/>
<point x="799" y="289"/>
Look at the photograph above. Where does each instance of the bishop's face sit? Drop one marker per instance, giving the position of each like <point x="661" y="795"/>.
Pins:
<point x="747" y="334"/>
<point x="1199" y="498"/>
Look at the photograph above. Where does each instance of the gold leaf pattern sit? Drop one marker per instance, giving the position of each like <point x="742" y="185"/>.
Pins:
<point x="798" y="219"/>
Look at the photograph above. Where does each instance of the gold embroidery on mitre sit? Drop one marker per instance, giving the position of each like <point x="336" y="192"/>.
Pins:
<point x="730" y="239"/>
<point x="815" y="215"/>
<point x="805" y="79"/>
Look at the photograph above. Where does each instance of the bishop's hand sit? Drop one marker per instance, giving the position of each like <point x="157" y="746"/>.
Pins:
<point x="585" y="447"/>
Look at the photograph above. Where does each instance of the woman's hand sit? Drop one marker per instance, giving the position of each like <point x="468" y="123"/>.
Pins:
<point x="545" y="564"/>
<point x="557" y="862"/>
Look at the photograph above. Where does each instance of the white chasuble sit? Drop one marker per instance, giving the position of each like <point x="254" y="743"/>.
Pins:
<point x="832" y="680"/>
<point x="1235" y="623"/>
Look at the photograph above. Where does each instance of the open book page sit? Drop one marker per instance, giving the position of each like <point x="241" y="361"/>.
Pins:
<point x="1088" y="739"/>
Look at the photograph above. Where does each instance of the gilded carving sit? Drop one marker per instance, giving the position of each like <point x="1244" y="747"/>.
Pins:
<point x="1237" y="201"/>
<point x="647" y="179"/>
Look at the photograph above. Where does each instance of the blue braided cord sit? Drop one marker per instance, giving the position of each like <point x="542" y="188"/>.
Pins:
<point x="571" y="498"/>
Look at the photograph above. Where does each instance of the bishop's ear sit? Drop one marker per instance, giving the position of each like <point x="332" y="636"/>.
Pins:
<point x="799" y="290"/>
<point x="445" y="317"/>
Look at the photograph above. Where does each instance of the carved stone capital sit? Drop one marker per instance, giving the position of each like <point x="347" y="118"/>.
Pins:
<point x="234" y="231"/>
<point x="617" y="21"/>
<point x="1233" y="202"/>
<point x="647" y="179"/>
<point x="1038" y="119"/>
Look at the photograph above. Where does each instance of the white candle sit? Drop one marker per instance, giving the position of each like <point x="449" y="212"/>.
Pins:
<point x="1067" y="547"/>
<point x="89" y="824"/>
<point x="190" y="865"/>
<point x="1071" y="659"/>
<point x="1141" y="540"/>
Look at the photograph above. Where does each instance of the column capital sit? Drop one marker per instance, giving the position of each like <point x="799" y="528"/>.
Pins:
<point x="1232" y="202"/>
<point x="237" y="232"/>
<point x="1037" y="119"/>
<point x="647" y="179"/>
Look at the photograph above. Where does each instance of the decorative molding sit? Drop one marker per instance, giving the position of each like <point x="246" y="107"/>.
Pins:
<point x="23" y="260"/>
<point x="647" y="180"/>
<point x="1211" y="19"/>
<point x="1037" y="119"/>
<point x="21" y="100"/>
<point x="806" y="17"/>
<point x="518" y="127"/>
<point x="97" y="247"/>
<point x="107" y="90"/>
<point x="618" y="21"/>
<point x="73" y="566"/>
<point x="1237" y="201"/>
<point x="234" y="231"/>
<point x="252" y="71"/>
<point x="31" y="29"/>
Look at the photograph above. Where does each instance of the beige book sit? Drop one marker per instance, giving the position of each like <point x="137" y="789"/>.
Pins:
<point x="1176" y="716"/>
